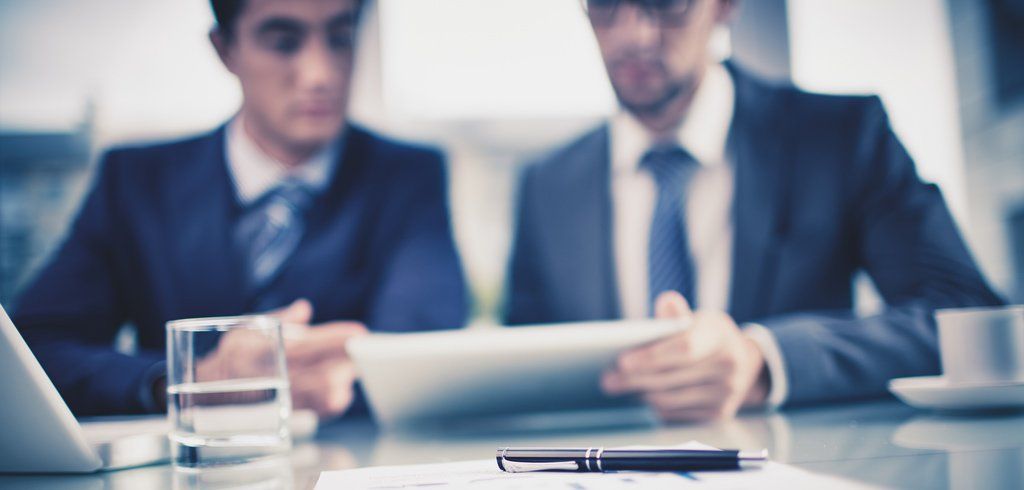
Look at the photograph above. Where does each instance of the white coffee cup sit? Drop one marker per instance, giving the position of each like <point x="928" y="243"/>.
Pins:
<point x="980" y="345"/>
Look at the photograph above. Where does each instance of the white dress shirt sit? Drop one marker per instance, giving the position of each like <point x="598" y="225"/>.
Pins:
<point x="709" y="199"/>
<point x="254" y="173"/>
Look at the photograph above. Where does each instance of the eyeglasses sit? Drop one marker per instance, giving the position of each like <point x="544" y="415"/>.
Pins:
<point x="665" y="13"/>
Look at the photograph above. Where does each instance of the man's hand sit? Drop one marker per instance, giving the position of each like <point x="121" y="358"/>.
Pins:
<point x="320" y="372"/>
<point x="710" y="371"/>
<point x="319" y="369"/>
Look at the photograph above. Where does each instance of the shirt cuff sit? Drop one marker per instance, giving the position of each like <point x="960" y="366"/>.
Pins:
<point x="149" y="378"/>
<point x="765" y="340"/>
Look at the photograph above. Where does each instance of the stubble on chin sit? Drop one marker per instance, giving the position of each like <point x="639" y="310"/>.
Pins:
<point x="657" y="105"/>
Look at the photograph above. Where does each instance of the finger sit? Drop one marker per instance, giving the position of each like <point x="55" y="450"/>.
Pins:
<point x="671" y="304"/>
<point x="302" y="389"/>
<point x="341" y="377"/>
<point x="240" y="340"/>
<point x="298" y="312"/>
<point x="678" y="348"/>
<point x="706" y="338"/>
<point x="326" y="388"/>
<point x="689" y="349"/>
<point x="241" y="353"/>
<point x="619" y="383"/>
<point x="291" y="332"/>
<point x="323" y="342"/>
<point x="304" y="392"/>
<point x="354" y="327"/>
<point x="319" y="394"/>
<point x="651" y="357"/>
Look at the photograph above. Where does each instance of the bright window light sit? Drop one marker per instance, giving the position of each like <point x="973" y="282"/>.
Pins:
<point x="469" y="59"/>
<point x="900" y="50"/>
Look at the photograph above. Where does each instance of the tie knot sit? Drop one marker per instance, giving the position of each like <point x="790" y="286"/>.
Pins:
<point x="294" y="194"/>
<point x="670" y="165"/>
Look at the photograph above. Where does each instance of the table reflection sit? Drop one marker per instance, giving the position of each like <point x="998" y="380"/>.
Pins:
<point x="983" y="450"/>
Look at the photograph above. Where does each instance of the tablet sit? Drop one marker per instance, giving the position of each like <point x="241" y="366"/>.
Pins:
<point x="487" y="371"/>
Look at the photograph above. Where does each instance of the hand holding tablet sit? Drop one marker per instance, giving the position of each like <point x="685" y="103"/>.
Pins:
<point x="495" y="371"/>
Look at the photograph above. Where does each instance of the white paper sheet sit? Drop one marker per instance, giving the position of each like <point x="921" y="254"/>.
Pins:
<point x="485" y="474"/>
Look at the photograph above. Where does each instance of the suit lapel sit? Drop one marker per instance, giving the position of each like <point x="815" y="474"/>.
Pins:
<point x="203" y="208"/>
<point x="584" y="229"/>
<point x="356" y="150"/>
<point x="761" y="148"/>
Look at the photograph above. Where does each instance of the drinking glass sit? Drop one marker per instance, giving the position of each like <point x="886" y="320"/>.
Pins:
<point x="227" y="390"/>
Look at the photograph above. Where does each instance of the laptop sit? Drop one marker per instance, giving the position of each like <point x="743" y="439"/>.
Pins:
<point x="413" y="379"/>
<point x="40" y="435"/>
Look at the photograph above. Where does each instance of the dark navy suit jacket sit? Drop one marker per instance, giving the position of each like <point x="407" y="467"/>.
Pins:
<point x="823" y="190"/>
<point x="153" y="243"/>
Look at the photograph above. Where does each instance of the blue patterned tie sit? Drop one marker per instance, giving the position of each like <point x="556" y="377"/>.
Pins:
<point x="269" y="233"/>
<point x="670" y="264"/>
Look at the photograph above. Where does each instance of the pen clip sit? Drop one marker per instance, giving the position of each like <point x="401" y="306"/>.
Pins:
<point x="524" y="466"/>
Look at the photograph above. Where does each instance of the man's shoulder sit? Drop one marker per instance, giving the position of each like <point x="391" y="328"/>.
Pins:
<point x="389" y="150"/>
<point x="566" y="163"/>
<point x="776" y="100"/>
<point x="177" y="152"/>
<point x="390" y="163"/>
<point x="835" y="134"/>
<point x="827" y="110"/>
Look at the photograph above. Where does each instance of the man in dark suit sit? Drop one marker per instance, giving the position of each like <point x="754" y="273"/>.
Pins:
<point x="756" y="205"/>
<point x="287" y="207"/>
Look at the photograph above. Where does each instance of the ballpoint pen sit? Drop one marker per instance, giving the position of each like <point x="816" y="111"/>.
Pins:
<point x="599" y="459"/>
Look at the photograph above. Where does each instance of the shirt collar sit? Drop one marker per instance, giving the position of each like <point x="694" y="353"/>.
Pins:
<point x="703" y="133"/>
<point x="255" y="173"/>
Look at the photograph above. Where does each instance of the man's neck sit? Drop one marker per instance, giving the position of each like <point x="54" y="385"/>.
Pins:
<point x="290" y="156"/>
<point x="662" y="123"/>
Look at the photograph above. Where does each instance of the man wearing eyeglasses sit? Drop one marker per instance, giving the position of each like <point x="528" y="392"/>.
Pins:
<point x="286" y="208"/>
<point x="745" y="208"/>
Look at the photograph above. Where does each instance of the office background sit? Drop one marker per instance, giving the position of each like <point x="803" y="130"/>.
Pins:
<point x="496" y="83"/>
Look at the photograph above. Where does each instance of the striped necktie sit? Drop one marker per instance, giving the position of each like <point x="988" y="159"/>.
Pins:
<point x="271" y="230"/>
<point x="670" y="265"/>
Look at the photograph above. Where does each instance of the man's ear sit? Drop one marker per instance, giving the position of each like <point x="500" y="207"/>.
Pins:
<point x="221" y="44"/>
<point x="727" y="10"/>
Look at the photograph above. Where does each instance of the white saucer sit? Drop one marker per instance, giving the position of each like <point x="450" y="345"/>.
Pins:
<point x="937" y="392"/>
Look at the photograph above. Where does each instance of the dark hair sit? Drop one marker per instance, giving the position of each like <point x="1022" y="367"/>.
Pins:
<point x="226" y="13"/>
